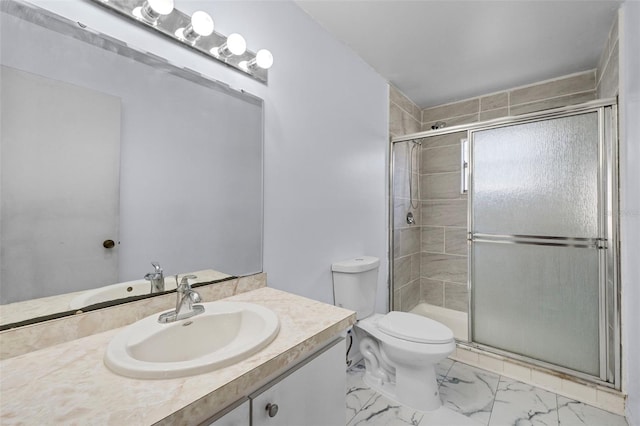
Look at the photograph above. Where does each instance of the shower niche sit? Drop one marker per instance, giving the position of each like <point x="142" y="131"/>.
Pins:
<point x="513" y="244"/>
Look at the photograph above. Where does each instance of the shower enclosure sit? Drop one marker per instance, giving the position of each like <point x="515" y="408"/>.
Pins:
<point x="514" y="239"/>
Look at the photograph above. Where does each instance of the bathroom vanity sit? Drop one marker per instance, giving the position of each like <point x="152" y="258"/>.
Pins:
<point x="301" y="373"/>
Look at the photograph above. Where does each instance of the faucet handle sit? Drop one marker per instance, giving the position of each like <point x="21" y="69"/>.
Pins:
<point x="185" y="280"/>
<point x="157" y="267"/>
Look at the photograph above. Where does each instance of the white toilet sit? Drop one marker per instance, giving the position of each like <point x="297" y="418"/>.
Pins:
<point x="400" y="349"/>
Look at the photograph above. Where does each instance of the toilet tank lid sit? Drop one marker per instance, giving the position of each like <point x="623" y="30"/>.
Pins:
<point x="359" y="264"/>
<point x="414" y="328"/>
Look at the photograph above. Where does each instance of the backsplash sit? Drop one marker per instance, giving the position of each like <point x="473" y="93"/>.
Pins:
<point x="17" y="341"/>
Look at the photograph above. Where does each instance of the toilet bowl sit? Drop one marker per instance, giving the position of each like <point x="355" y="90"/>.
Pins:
<point x="400" y="349"/>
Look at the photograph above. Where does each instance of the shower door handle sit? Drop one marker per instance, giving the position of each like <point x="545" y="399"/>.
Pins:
<point x="464" y="166"/>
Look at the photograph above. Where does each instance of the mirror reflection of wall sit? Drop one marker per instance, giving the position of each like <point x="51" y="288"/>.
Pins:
<point x="190" y="163"/>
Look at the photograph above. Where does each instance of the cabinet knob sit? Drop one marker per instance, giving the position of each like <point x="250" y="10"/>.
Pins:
<point x="108" y="244"/>
<point x="272" y="409"/>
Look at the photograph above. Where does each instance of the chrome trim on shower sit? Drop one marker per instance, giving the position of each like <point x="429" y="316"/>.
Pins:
<point x="464" y="166"/>
<point x="533" y="116"/>
<point x="593" y="243"/>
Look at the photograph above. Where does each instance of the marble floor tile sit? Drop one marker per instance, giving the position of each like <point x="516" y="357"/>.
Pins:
<point x="444" y="416"/>
<point x="380" y="411"/>
<point x="574" y="413"/>
<point x="470" y="391"/>
<point x="442" y="368"/>
<point x="520" y="404"/>
<point x="358" y="393"/>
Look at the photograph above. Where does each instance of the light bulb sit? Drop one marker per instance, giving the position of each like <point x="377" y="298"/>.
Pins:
<point x="161" y="7"/>
<point x="264" y="59"/>
<point x="151" y="10"/>
<point x="235" y="45"/>
<point x="201" y="25"/>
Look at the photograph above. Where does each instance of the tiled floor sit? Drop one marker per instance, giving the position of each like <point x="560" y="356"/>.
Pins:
<point x="474" y="397"/>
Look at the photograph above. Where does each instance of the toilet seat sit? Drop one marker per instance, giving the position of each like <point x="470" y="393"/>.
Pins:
<point x="414" y="328"/>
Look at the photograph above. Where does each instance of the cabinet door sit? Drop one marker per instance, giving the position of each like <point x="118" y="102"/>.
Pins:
<point x="312" y="395"/>
<point x="238" y="416"/>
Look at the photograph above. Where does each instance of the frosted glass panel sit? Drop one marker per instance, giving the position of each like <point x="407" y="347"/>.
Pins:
<point x="538" y="301"/>
<point x="546" y="172"/>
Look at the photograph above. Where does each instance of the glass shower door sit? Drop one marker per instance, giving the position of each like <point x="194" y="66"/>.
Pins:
<point x="536" y="225"/>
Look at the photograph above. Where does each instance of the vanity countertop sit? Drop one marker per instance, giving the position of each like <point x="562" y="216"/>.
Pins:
<point x="69" y="383"/>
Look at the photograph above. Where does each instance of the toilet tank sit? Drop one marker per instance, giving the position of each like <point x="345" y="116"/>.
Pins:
<point x="354" y="284"/>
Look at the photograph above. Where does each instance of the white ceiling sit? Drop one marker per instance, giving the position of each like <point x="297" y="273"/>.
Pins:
<point x="437" y="52"/>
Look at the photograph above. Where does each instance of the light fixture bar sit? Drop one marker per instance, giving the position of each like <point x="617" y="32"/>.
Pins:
<point x="194" y="32"/>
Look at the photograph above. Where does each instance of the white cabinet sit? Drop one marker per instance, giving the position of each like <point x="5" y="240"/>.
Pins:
<point x="238" y="415"/>
<point x="311" y="394"/>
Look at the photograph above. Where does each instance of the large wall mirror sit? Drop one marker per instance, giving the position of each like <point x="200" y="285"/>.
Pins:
<point x="112" y="158"/>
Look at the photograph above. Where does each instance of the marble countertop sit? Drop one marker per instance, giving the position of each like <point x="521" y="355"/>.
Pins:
<point x="69" y="384"/>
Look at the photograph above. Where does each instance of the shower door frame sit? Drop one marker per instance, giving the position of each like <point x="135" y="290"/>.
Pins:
<point x="608" y="225"/>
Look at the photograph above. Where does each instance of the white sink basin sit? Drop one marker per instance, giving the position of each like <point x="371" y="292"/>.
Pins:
<point x="225" y="333"/>
<point x="117" y="291"/>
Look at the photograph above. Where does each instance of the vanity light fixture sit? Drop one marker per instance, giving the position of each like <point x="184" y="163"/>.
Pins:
<point x="234" y="45"/>
<point x="194" y="31"/>
<point x="263" y="59"/>
<point x="152" y="10"/>
<point x="201" y="25"/>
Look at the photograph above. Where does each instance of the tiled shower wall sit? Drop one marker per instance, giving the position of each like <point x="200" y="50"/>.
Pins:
<point x="404" y="118"/>
<point x="430" y="257"/>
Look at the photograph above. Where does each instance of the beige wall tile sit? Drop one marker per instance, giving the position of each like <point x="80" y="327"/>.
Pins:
<point x="565" y="86"/>
<point x="456" y="296"/>
<point x="444" y="267"/>
<point x="410" y="295"/>
<point x="432" y="291"/>
<point x="401" y="206"/>
<point x="444" y="213"/>
<point x="416" y="265"/>
<point x="401" y="122"/>
<point x="397" y="300"/>
<point x="454" y="121"/>
<point x="494" y="113"/>
<point x="441" y="159"/>
<point x="553" y="103"/>
<point x="608" y="84"/>
<point x="499" y="100"/>
<point x="401" y="183"/>
<point x="432" y="239"/>
<point x="518" y="372"/>
<point x="409" y="241"/>
<point x="443" y="140"/>
<point x="398" y="98"/>
<point x="401" y="271"/>
<point x="614" y="35"/>
<point x="455" y="241"/>
<point x="451" y="110"/>
<point x="440" y="186"/>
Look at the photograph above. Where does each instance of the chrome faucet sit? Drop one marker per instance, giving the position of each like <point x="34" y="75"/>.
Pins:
<point x="185" y="307"/>
<point x="156" y="278"/>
